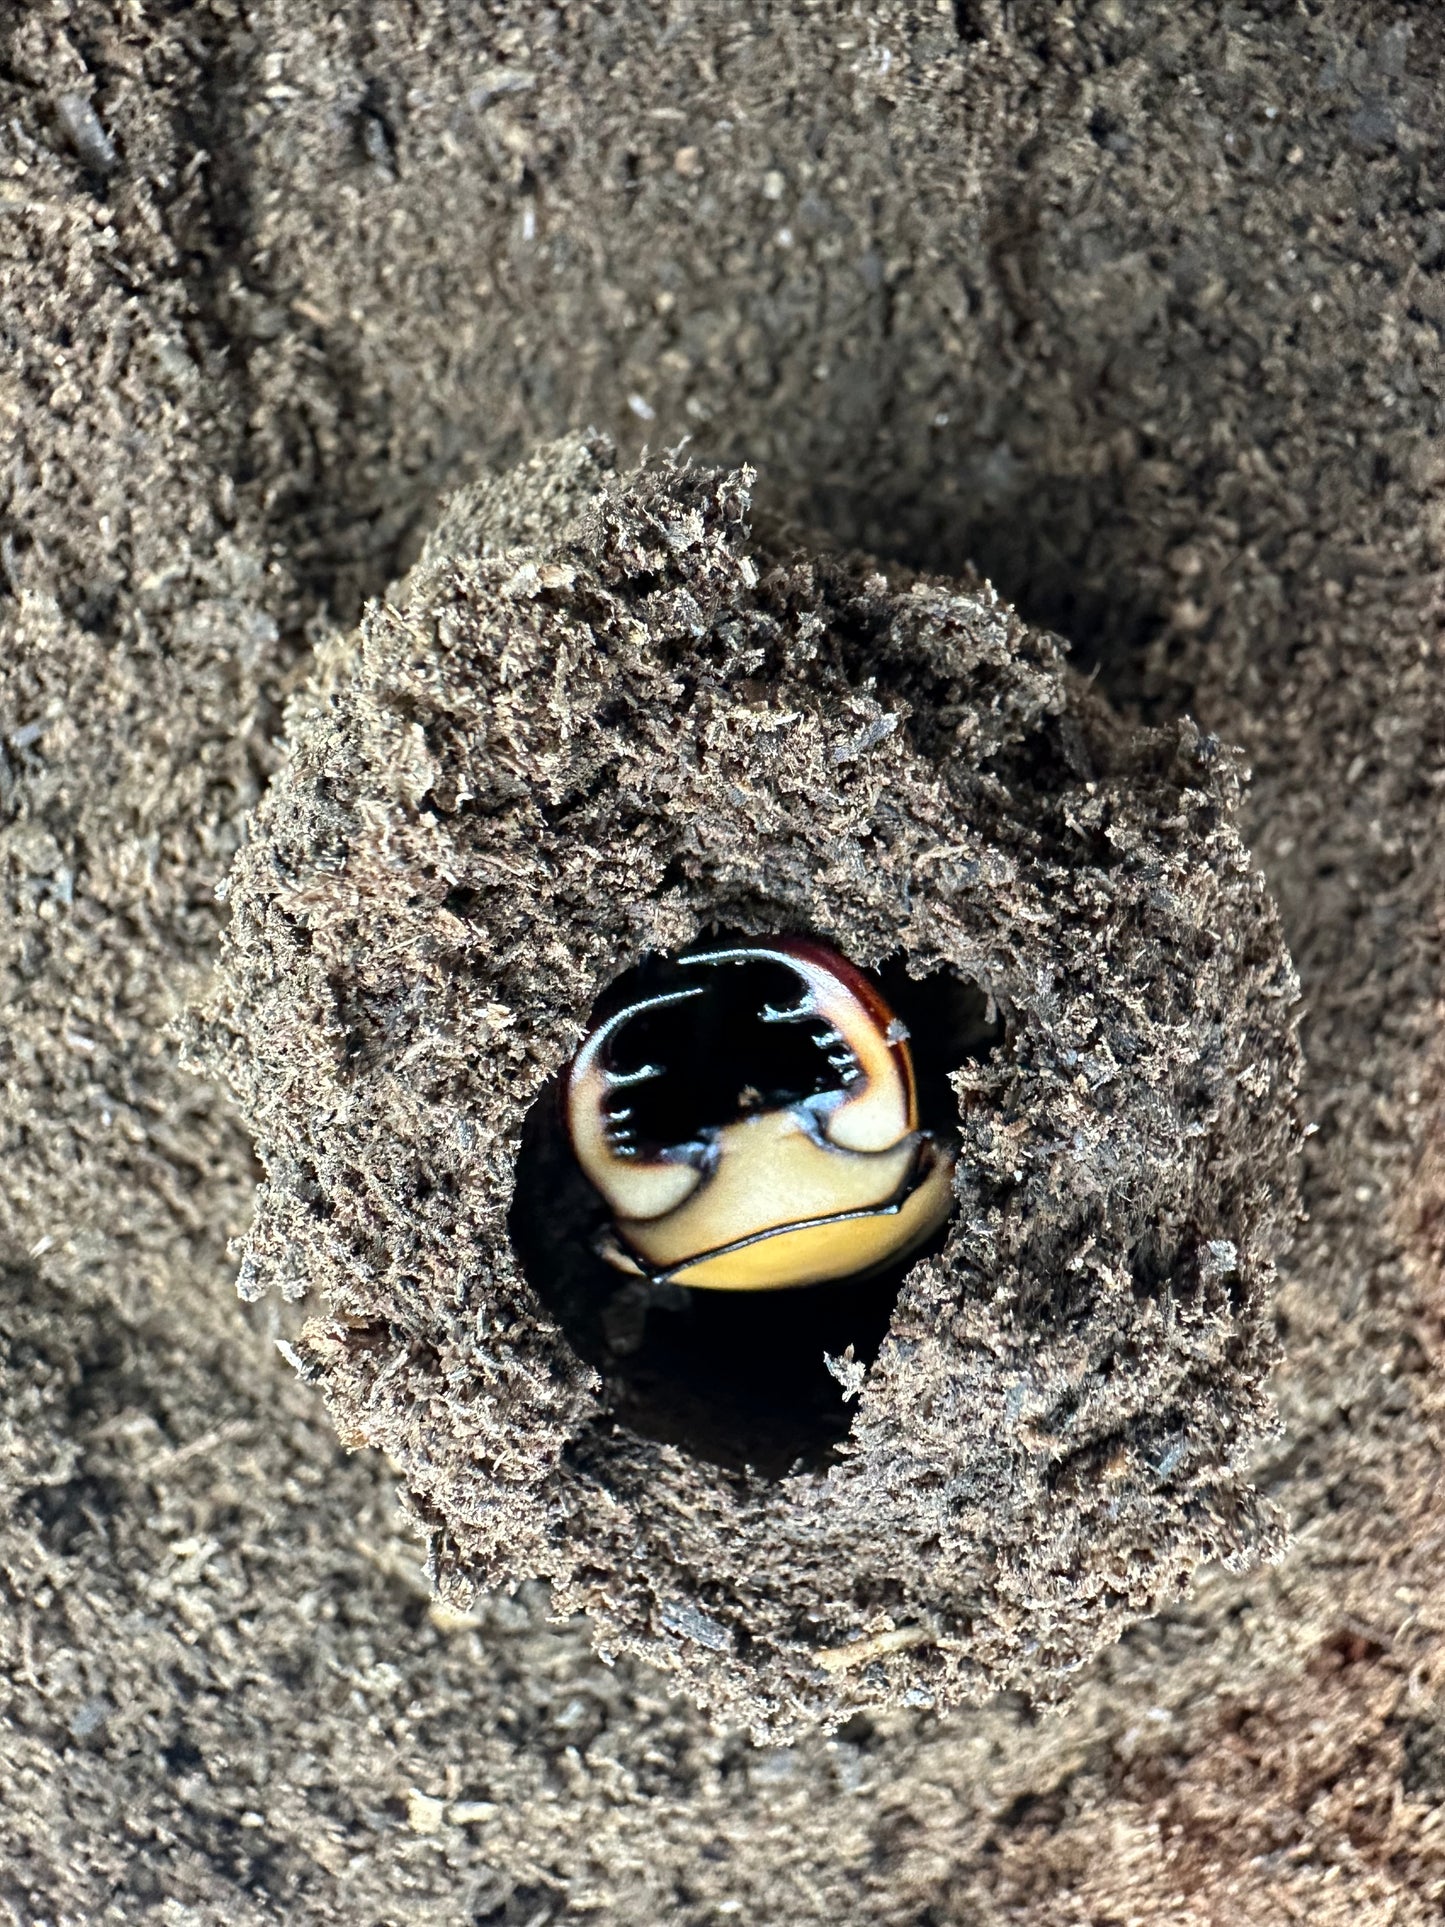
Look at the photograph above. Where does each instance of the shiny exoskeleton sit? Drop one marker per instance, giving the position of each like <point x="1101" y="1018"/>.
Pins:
<point x="831" y="1184"/>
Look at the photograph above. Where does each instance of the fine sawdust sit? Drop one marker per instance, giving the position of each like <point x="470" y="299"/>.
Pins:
<point x="641" y="725"/>
<point x="1137" y="308"/>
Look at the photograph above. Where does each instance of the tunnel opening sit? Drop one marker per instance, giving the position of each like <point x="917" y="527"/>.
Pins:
<point x="738" y="1377"/>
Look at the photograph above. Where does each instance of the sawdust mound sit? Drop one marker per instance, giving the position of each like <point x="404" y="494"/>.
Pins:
<point x="602" y="716"/>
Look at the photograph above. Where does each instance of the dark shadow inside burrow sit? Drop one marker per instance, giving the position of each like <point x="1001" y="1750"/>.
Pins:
<point x="737" y="1378"/>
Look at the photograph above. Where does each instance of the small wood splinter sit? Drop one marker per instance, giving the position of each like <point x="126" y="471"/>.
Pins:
<point x="805" y="1189"/>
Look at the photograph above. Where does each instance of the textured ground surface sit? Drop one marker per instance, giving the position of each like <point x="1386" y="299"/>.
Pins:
<point x="1139" y="307"/>
<point x="544" y="762"/>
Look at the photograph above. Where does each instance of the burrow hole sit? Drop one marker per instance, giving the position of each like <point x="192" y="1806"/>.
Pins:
<point x="734" y="1377"/>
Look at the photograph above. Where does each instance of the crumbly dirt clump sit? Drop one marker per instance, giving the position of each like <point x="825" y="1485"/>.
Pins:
<point x="602" y="716"/>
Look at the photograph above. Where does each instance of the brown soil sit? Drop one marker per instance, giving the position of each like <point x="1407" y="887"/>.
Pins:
<point x="546" y="760"/>
<point x="1138" y="309"/>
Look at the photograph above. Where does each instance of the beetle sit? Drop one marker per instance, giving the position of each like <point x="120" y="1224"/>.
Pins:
<point x="787" y="1188"/>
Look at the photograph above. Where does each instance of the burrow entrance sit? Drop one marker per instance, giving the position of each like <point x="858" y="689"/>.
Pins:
<point x="735" y="1377"/>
